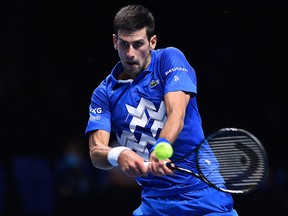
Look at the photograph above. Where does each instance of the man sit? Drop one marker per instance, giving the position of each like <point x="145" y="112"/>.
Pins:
<point x="150" y="97"/>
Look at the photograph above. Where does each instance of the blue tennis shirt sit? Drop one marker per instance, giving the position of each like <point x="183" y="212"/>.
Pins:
<point x="134" y="110"/>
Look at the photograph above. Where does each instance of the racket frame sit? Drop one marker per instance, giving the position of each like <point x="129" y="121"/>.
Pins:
<point x="201" y="176"/>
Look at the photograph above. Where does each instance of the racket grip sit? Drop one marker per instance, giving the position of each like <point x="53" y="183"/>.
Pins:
<point x="146" y="163"/>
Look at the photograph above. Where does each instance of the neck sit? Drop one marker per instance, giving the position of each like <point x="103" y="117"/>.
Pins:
<point x="124" y="76"/>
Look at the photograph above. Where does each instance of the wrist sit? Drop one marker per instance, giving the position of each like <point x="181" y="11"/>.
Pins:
<point x="160" y="140"/>
<point x="114" y="153"/>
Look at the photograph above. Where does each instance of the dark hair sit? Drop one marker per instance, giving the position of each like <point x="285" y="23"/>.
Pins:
<point x="134" y="17"/>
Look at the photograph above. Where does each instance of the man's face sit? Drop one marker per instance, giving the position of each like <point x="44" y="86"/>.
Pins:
<point x="134" y="50"/>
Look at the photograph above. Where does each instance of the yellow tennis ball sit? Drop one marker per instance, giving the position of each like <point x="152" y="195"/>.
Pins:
<point x="163" y="150"/>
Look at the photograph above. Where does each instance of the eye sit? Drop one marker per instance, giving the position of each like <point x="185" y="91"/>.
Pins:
<point x="137" y="44"/>
<point x="124" y="44"/>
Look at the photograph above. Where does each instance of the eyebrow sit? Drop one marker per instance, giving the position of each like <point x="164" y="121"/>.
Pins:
<point x="140" y="40"/>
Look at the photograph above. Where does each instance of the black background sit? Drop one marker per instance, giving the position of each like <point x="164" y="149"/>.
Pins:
<point x="54" y="53"/>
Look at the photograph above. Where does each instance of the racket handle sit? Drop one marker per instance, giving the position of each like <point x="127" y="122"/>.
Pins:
<point x="146" y="163"/>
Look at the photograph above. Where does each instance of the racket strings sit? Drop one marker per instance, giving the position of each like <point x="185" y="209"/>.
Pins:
<point x="240" y="161"/>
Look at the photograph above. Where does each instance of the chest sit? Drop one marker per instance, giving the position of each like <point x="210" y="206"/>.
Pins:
<point x="138" y="105"/>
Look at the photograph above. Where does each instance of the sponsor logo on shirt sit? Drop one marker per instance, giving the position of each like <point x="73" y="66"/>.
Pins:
<point x="176" y="69"/>
<point x="154" y="83"/>
<point x="96" y="110"/>
<point x="94" y="113"/>
<point x="95" y="117"/>
<point x="176" y="78"/>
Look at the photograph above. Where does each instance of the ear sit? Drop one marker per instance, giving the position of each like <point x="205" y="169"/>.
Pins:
<point x="153" y="42"/>
<point x="115" y="41"/>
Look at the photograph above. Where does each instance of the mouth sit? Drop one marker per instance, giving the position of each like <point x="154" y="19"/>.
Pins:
<point x="131" y="63"/>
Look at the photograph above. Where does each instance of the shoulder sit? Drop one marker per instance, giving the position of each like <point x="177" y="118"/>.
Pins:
<point x="169" y="54"/>
<point x="168" y="51"/>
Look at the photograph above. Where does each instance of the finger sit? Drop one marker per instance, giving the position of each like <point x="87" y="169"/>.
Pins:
<point x="157" y="169"/>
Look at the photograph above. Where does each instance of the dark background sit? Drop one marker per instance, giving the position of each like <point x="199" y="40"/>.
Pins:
<point x="54" y="53"/>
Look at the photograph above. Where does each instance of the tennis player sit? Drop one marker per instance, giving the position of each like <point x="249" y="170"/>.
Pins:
<point x="150" y="97"/>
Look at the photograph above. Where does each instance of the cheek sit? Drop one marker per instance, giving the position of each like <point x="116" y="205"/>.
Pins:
<point x="145" y="53"/>
<point x="121" y="54"/>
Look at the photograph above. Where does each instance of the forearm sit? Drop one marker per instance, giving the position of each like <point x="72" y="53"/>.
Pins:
<point x="99" y="148"/>
<point x="98" y="155"/>
<point x="173" y="127"/>
<point x="176" y="103"/>
<point x="104" y="157"/>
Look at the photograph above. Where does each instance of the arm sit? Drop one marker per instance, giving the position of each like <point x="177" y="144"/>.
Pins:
<point x="98" y="149"/>
<point x="129" y="162"/>
<point x="175" y="103"/>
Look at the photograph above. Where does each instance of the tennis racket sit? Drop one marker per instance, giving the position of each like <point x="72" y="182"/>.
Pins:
<point x="240" y="159"/>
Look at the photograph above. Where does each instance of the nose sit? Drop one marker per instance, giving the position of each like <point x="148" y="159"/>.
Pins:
<point x="130" y="51"/>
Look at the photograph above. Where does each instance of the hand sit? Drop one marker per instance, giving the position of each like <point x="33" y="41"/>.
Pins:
<point x="158" y="167"/>
<point x="132" y="164"/>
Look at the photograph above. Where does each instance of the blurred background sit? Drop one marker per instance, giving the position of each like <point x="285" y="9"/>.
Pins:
<point x="53" y="55"/>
